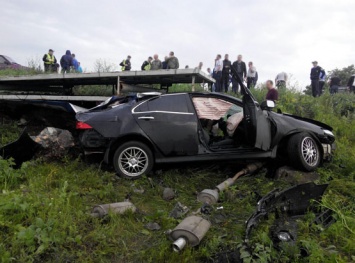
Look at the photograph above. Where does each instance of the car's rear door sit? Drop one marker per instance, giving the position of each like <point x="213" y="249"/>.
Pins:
<point x="170" y="122"/>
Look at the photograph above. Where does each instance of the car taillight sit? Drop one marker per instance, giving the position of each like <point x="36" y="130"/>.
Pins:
<point x="82" y="126"/>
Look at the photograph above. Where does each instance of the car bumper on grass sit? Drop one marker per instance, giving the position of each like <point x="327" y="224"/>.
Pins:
<point x="328" y="150"/>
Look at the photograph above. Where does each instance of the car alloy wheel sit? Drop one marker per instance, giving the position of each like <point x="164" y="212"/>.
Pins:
<point x="309" y="151"/>
<point x="304" y="152"/>
<point x="133" y="161"/>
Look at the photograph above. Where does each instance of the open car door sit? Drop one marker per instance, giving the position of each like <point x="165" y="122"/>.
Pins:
<point x="257" y="123"/>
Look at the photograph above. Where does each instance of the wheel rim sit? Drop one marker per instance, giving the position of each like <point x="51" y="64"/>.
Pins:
<point x="133" y="161"/>
<point x="310" y="151"/>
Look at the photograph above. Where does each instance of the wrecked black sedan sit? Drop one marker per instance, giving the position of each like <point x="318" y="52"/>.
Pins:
<point x="136" y="132"/>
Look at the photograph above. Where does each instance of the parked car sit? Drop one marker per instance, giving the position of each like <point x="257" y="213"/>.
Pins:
<point x="136" y="132"/>
<point x="8" y="63"/>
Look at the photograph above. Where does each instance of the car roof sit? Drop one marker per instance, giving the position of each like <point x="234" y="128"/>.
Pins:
<point x="204" y="94"/>
<point x="149" y="95"/>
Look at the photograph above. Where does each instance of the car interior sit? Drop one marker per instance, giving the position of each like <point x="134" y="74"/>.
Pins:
<point x="221" y="123"/>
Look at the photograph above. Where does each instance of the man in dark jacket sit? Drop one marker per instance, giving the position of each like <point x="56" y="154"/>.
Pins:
<point x="334" y="84"/>
<point x="50" y="62"/>
<point x="126" y="64"/>
<point x="147" y="64"/>
<point x="351" y="83"/>
<point x="241" y="69"/>
<point x="316" y="73"/>
<point x="272" y="93"/>
<point x="66" y="62"/>
<point x="225" y="72"/>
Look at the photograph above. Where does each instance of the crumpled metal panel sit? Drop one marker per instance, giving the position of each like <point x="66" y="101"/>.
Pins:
<point x="21" y="150"/>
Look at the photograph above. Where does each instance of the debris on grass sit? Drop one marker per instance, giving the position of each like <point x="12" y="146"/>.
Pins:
<point x="178" y="211"/>
<point x="293" y="201"/>
<point x="55" y="142"/>
<point x="101" y="211"/>
<point x="153" y="226"/>
<point x="190" y="231"/>
<point x="289" y="174"/>
<point x="168" y="194"/>
<point x="21" y="150"/>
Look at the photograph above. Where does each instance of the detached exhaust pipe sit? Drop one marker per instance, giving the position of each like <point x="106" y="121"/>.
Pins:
<point x="211" y="196"/>
<point x="190" y="231"/>
<point x="100" y="211"/>
<point x="193" y="228"/>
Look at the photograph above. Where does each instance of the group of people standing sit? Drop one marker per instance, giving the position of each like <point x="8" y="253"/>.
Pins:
<point x="68" y="63"/>
<point x="318" y="78"/>
<point x="153" y="63"/>
<point x="222" y="73"/>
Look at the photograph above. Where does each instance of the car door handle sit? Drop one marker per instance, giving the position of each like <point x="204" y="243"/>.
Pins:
<point x="146" y="118"/>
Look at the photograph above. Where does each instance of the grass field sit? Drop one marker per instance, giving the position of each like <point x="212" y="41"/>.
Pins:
<point x="45" y="206"/>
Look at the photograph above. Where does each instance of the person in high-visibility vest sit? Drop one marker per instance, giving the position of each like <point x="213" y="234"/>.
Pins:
<point x="126" y="64"/>
<point x="49" y="61"/>
<point x="147" y="64"/>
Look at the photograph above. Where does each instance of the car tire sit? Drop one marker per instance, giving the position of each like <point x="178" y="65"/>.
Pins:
<point x="304" y="152"/>
<point x="133" y="159"/>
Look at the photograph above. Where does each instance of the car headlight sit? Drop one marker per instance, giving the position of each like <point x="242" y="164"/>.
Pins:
<point x="328" y="132"/>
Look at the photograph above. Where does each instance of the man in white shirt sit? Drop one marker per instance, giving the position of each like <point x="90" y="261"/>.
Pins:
<point x="210" y="73"/>
<point x="281" y="80"/>
<point x="252" y="76"/>
<point x="217" y="72"/>
<point x="322" y="78"/>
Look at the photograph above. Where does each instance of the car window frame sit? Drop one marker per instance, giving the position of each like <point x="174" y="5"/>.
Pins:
<point x="159" y="111"/>
<point x="4" y="60"/>
<point x="10" y="60"/>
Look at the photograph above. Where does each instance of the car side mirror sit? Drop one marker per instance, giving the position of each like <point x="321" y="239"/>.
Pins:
<point x="267" y="105"/>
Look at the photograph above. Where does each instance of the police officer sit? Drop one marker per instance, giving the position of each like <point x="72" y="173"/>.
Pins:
<point x="126" y="64"/>
<point x="316" y="73"/>
<point x="147" y="64"/>
<point x="50" y="61"/>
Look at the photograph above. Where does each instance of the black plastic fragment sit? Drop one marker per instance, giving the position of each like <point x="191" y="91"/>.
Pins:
<point x="21" y="150"/>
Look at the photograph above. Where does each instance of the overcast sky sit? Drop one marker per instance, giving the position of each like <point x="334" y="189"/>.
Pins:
<point x="276" y="35"/>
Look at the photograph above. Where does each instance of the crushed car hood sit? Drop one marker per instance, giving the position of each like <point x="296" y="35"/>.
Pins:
<point x="318" y="123"/>
<point x="289" y="124"/>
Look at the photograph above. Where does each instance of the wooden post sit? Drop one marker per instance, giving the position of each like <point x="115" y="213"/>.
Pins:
<point x="193" y="83"/>
<point x="118" y="86"/>
<point x="113" y="89"/>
